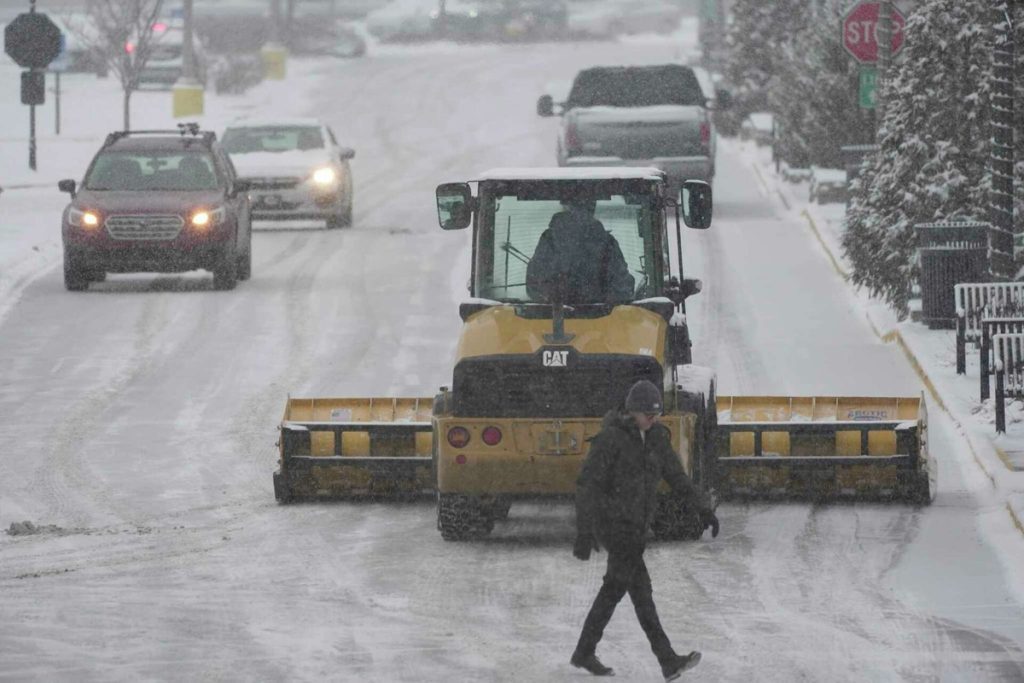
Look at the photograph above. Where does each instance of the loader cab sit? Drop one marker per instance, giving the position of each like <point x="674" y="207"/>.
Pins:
<point x="604" y="232"/>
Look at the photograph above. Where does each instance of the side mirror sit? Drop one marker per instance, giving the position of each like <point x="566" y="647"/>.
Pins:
<point x="695" y="198"/>
<point x="545" y="106"/>
<point x="346" y="153"/>
<point x="454" y="206"/>
<point x="680" y="293"/>
<point x="241" y="186"/>
<point x="67" y="185"/>
<point x="723" y="99"/>
<point x="691" y="286"/>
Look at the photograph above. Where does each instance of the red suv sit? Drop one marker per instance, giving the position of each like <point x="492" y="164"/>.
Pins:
<point x="158" y="201"/>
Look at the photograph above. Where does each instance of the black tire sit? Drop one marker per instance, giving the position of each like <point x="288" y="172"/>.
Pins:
<point x="76" y="276"/>
<point x="245" y="262"/>
<point x="499" y="509"/>
<point x="225" y="273"/>
<point x="282" y="492"/>
<point x="460" y="518"/>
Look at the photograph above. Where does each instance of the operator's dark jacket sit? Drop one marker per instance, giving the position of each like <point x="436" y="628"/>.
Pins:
<point x="581" y="249"/>
<point x="616" y="492"/>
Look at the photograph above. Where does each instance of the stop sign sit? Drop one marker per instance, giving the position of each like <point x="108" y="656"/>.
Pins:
<point x="860" y="31"/>
<point x="32" y="40"/>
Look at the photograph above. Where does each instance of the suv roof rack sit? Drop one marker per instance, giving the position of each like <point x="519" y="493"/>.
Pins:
<point x="190" y="129"/>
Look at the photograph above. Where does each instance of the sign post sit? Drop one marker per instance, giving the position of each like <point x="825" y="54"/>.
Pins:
<point x="32" y="41"/>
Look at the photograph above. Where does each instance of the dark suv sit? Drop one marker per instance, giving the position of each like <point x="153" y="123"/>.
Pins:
<point x="158" y="201"/>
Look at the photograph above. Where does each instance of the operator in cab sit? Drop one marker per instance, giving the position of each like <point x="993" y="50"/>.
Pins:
<point x="577" y="254"/>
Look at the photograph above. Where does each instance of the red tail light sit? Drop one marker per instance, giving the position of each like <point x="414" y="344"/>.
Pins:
<point x="491" y="436"/>
<point x="572" y="139"/>
<point x="458" y="437"/>
<point x="705" y="133"/>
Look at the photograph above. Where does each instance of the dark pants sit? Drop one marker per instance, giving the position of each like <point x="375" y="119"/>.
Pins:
<point x="626" y="573"/>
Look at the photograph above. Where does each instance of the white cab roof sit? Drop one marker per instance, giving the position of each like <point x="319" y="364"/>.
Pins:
<point x="567" y="173"/>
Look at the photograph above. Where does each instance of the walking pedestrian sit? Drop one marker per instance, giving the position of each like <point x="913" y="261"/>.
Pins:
<point x="616" y="498"/>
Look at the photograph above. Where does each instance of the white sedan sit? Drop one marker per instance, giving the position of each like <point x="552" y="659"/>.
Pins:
<point x="296" y="168"/>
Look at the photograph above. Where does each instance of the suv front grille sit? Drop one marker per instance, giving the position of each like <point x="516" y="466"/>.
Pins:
<point x="145" y="227"/>
<point x="282" y="183"/>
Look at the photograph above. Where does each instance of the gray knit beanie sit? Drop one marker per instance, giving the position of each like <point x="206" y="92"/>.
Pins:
<point x="643" y="397"/>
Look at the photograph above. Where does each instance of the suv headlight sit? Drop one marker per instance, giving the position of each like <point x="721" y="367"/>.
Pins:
<point x="207" y="218"/>
<point x="325" y="176"/>
<point x="83" y="219"/>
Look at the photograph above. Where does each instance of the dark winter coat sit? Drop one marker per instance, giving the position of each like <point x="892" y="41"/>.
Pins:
<point x="616" y="491"/>
<point x="578" y="247"/>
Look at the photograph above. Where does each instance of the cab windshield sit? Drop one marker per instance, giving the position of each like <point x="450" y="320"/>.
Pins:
<point x="146" y="171"/>
<point x="578" y="243"/>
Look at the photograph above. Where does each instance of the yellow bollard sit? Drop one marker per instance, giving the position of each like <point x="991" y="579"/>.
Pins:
<point x="274" y="56"/>
<point x="187" y="96"/>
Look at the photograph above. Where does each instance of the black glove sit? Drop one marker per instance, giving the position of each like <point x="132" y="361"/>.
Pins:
<point x="584" y="544"/>
<point x="708" y="519"/>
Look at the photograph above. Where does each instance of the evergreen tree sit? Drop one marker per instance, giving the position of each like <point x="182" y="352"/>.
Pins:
<point x="814" y="96"/>
<point x="757" y="34"/>
<point x="933" y="162"/>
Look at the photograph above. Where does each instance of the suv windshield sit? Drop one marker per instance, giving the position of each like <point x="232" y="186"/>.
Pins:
<point x="636" y="87"/>
<point x="272" y="139"/>
<point x="160" y="170"/>
<point x="539" y="240"/>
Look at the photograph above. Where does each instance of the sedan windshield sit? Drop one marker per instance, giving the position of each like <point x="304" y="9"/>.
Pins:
<point x="272" y="139"/>
<point x="145" y="171"/>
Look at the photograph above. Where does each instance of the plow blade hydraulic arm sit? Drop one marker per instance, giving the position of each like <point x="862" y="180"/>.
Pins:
<point x="339" y="448"/>
<point x="824" y="448"/>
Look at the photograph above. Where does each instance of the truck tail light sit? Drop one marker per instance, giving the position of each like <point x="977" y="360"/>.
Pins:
<point x="572" y="138"/>
<point x="491" y="436"/>
<point x="458" y="437"/>
<point x="705" y="133"/>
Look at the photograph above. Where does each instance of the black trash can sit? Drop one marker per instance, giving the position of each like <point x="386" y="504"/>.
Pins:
<point x="950" y="254"/>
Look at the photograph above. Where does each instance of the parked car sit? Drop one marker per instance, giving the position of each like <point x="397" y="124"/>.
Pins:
<point x="82" y="53"/>
<point x="638" y="116"/>
<point x="295" y="168"/>
<point x="403" y="20"/>
<point x="827" y="185"/>
<point x="759" y="126"/>
<point x="157" y="201"/>
<point x="166" y="59"/>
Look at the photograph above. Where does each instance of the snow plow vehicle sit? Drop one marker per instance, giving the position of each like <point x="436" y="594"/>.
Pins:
<point x="574" y="298"/>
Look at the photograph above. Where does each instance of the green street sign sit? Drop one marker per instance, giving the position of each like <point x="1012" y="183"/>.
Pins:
<point x="868" y="80"/>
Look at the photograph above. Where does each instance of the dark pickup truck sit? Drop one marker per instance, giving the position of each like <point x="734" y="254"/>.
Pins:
<point x="639" y="116"/>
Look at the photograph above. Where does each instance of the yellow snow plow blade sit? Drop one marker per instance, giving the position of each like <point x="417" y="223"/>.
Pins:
<point x="824" y="448"/>
<point x="355" y="447"/>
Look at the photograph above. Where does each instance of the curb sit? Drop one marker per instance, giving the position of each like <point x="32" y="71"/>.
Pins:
<point x="896" y="337"/>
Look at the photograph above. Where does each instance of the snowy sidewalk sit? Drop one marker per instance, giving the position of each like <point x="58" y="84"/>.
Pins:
<point x="932" y="353"/>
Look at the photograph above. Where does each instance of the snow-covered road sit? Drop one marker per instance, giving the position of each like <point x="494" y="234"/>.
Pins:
<point x="139" y="420"/>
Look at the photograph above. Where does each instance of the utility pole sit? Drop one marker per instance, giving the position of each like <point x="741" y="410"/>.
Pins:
<point x="187" y="92"/>
<point x="1001" y="194"/>
<point x="884" y="38"/>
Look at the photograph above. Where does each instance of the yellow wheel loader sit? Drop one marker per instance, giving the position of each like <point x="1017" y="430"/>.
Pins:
<point x="574" y="298"/>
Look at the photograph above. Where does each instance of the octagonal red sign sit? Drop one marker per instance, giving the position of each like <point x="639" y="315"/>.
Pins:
<point x="860" y="31"/>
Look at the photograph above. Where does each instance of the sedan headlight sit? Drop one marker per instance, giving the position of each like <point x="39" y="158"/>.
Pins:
<point x="208" y="218"/>
<point x="83" y="219"/>
<point x="325" y="176"/>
